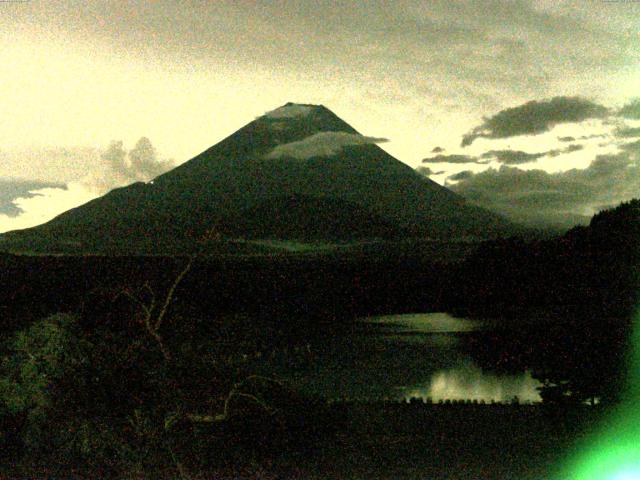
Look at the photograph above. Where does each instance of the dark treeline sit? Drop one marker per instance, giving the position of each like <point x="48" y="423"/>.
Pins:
<point x="566" y="305"/>
<point x="588" y="269"/>
<point x="322" y="287"/>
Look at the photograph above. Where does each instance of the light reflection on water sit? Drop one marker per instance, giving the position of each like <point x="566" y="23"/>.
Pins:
<point x="470" y="383"/>
<point x="426" y="323"/>
<point x="463" y="380"/>
<point x="404" y="356"/>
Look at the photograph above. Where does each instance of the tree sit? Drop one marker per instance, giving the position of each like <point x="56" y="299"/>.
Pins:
<point x="45" y="385"/>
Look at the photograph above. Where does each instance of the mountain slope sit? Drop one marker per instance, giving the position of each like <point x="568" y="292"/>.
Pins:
<point x="243" y="188"/>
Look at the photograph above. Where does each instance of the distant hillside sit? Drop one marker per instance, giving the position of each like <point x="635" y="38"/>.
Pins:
<point x="296" y="173"/>
<point x="588" y="268"/>
<point x="572" y="299"/>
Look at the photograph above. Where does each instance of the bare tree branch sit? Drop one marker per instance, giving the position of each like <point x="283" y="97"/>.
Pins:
<point x="171" y="292"/>
<point x="236" y="392"/>
<point x="148" y="307"/>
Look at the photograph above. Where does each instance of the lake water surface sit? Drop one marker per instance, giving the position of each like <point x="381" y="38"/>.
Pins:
<point x="404" y="356"/>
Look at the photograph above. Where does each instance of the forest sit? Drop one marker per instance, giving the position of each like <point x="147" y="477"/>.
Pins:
<point x="140" y="367"/>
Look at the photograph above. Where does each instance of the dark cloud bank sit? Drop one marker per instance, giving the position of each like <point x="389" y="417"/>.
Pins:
<point x="538" y="198"/>
<point x="512" y="157"/>
<point x="11" y="189"/>
<point x="451" y="159"/>
<point x="563" y="199"/>
<point x="506" y="157"/>
<point x="535" y="117"/>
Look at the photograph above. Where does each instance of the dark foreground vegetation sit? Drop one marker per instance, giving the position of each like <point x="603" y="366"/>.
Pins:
<point x="143" y="367"/>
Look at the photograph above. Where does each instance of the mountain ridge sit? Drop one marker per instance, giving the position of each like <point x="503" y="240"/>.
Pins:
<point x="298" y="151"/>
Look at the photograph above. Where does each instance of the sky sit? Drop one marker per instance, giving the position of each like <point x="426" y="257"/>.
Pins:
<point x="84" y="82"/>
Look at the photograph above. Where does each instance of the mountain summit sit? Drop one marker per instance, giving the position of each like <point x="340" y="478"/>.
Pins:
<point x="296" y="173"/>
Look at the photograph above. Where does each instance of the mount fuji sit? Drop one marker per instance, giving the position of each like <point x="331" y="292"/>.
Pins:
<point x="298" y="173"/>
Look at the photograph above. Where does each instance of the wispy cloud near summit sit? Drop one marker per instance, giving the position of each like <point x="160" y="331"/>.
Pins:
<point x="322" y="144"/>
<point x="290" y="111"/>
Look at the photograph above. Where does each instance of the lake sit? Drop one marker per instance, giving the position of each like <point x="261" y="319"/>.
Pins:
<point x="400" y="357"/>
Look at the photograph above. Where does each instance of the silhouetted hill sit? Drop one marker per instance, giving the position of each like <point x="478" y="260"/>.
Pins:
<point x="298" y="172"/>
<point x="572" y="298"/>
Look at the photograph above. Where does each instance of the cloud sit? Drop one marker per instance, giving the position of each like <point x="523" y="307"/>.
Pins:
<point x="14" y="189"/>
<point x="588" y="137"/>
<point x="437" y="150"/>
<point x="512" y="157"/>
<point x="427" y="172"/>
<point x="631" y="147"/>
<point x="480" y="57"/>
<point x="451" y="159"/>
<point x="631" y="110"/>
<point x="101" y="169"/>
<point x="628" y="132"/>
<point x="535" y="117"/>
<point x="506" y="157"/>
<point x="574" y="147"/>
<point x="563" y="198"/>
<point x="48" y="164"/>
<point x="290" y="110"/>
<point x="465" y="174"/>
<point x="26" y="203"/>
<point x="117" y="167"/>
<point x="555" y="182"/>
<point x="322" y="144"/>
<point x="581" y="137"/>
<point x="41" y="205"/>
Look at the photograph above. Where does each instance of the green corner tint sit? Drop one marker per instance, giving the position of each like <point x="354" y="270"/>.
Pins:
<point x="614" y="452"/>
